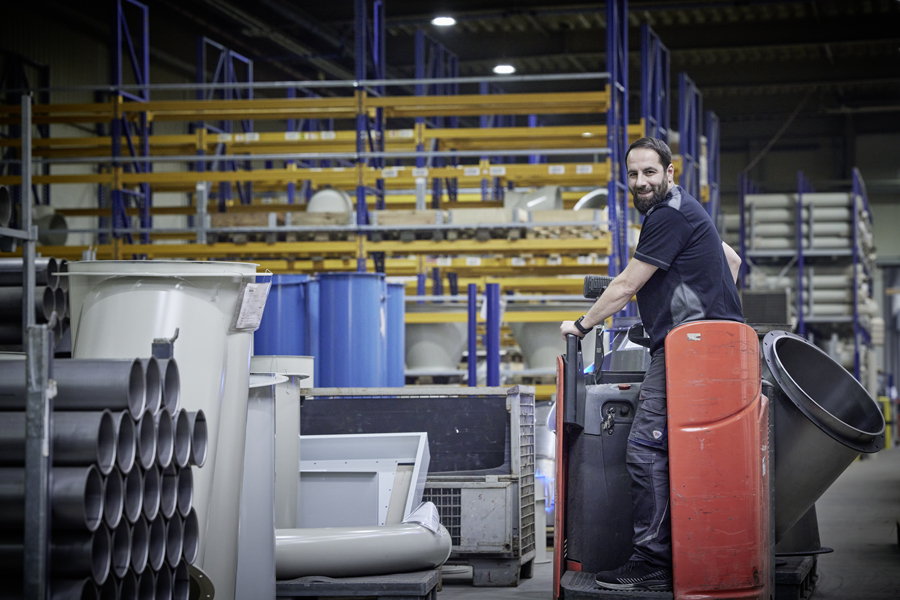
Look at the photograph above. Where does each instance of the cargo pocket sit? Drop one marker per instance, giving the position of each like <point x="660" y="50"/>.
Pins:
<point x="640" y="467"/>
<point x="649" y="427"/>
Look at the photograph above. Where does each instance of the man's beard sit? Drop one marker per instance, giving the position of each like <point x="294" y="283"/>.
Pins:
<point x="645" y="204"/>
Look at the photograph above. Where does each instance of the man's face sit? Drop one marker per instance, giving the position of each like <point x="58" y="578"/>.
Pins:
<point x="648" y="181"/>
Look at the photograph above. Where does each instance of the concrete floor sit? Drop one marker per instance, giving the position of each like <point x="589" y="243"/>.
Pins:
<point x="857" y="517"/>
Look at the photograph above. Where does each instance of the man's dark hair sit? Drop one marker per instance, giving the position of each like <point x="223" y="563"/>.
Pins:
<point x="658" y="146"/>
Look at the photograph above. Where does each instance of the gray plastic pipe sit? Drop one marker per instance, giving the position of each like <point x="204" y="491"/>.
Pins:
<point x="174" y="540"/>
<point x="181" y="582"/>
<point x="190" y="541"/>
<point x="185" y="491"/>
<point x="156" y="557"/>
<point x="146" y="439"/>
<point x="110" y="590"/>
<point x="113" y="500"/>
<point x="165" y="438"/>
<point x="152" y="384"/>
<point x="81" y="385"/>
<point x="81" y="554"/>
<point x="147" y="586"/>
<point x="74" y="589"/>
<point x="182" y="433"/>
<point x="168" y="491"/>
<point x="59" y="304"/>
<point x="126" y="441"/>
<point x="199" y="438"/>
<point x="11" y="304"/>
<point x="140" y="545"/>
<point x="79" y="438"/>
<point x="121" y="548"/>
<point x="133" y="492"/>
<point x="151" y="493"/>
<point x="76" y="498"/>
<point x="63" y="266"/>
<point x="45" y="272"/>
<point x="127" y="588"/>
<point x="359" y="551"/>
<point x="171" y="384"/>
<point x="164" y="584"/>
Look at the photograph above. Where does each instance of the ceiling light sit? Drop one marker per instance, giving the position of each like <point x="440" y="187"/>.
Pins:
<point x="504" y="69"/>
<point x="587" y="134"/>
<point x="443" y="21"/>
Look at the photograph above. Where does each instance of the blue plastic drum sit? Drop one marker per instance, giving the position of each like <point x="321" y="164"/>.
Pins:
<point x="396" y="334"/>
<point x="283" y="329"/>
<point x="352" y="330"/>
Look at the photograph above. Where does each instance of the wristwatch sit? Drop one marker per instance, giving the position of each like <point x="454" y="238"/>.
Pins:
<point x="578" y="326"/>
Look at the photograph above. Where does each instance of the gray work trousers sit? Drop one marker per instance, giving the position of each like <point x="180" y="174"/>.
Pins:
<point x="647" y="459"/>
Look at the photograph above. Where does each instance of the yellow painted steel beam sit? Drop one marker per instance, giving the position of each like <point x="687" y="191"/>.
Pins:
<point x="508" y="317"/>
<point x="394" y="177"/>
<point x="490" y="104"/>
<point x="543" y="391"/>
<point x="540" y="246"/>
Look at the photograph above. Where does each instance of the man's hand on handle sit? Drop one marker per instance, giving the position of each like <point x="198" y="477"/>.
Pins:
<point x="567" y="327"/>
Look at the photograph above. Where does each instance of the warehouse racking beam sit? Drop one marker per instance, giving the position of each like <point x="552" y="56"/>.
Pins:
<point x="690" y="112"/>
<point x="617" y="130"/>
<point x="655" y="85"/>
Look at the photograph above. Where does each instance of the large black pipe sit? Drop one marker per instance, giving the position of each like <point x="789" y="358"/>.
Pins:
<point x="5" y="206"/>
<point x="199" y="438"/>
<point x="140" y="545"/>
<point x="152" y="384"/>
<point x="121" y="549"/>
<point x="824" y="418"/>
<point x="134" y="495"/>
<point x="79" y="438"/>
<point x="76" y="497"/>
<point x="81" y="384"/>
<point x="171" y="383"/>
<point x="45" y="272"/>
<point x="113" y="499"/>
<point x="126" y="441"/>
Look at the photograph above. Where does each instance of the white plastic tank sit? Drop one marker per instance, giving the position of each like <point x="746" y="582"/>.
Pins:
<point x="434" y="348"/>
<point x="541" y="343"/>
<point x="119" y="308"/>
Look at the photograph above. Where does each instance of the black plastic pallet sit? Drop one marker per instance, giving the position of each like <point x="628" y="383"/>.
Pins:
<point x="421" y="585"/>
<point x="582" y="586"/>
<point x="795" y="577"/>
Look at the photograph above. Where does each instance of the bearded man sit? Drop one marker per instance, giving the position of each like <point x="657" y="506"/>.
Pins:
<point x="681" y="271"/>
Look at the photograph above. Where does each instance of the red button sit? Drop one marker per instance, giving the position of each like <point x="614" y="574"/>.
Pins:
<point x="624" y="386"/>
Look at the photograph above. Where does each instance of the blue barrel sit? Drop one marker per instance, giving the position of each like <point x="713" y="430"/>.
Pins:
<point x="396" y="334"/>
<point x="283" y="329"/>
<point x="352" y="330"/>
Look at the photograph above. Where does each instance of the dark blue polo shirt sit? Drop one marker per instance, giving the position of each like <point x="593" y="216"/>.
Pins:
<point x="693" y="281"/>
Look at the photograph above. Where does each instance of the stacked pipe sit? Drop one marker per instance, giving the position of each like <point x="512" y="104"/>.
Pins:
<point x="51" y="295"/>
<point x="121" y="487"/>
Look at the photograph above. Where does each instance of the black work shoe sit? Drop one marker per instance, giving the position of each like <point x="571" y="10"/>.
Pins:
<point x="636" y="575"/>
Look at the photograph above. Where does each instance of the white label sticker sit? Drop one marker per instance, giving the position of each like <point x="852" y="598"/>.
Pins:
<point x="247" y="137"/>
<point x="317" y="169"/>
<point x="223" y="137"/>
<point x="292" y="136"/>
<point x="497" y="171"/>
<point x="444" y="261"/>
<point x="517" y="261"/>
<point x="584" y="169"/>
<point x="426" y="515"/>
<point x="339" y="169"/>
<point x="554" y="261"/>
<point x="400" y="133"/>
<point x="471" y="172"/>
<point x="693" y="337"/>
<point x="585" y="260"/>
<point x="473" y="261"/>
<point x="328" y="135"/>
<point x="420" y="172"/>
<point x="253" y="301"/>
<point x="556" y="169"/>
<point x="392" y="172"/>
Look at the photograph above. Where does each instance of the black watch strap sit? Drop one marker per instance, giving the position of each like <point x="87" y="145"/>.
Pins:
<point x="579" y="327"/>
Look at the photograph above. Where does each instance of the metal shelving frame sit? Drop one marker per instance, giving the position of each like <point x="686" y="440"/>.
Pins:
<point x="39" y="388"/>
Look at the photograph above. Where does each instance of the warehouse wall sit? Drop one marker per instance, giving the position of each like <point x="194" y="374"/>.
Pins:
<point x="78" y="56"/>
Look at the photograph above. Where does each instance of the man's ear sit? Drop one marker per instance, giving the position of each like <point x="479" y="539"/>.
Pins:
<point x="670" y="173"/>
